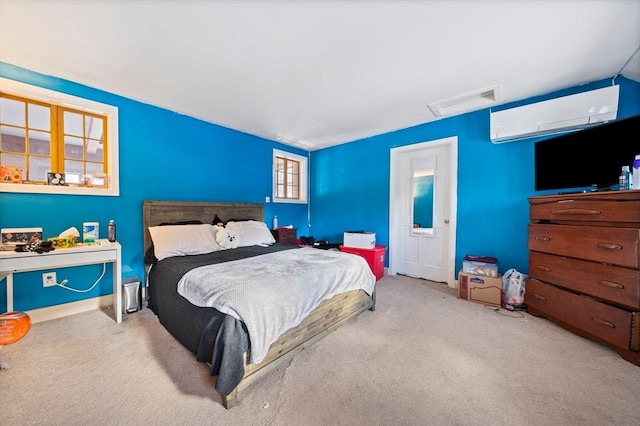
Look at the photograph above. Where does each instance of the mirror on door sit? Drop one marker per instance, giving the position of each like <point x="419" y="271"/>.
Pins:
<point x="423" y="184"/>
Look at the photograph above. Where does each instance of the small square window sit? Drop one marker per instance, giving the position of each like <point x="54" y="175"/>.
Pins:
<point x="290" y="177"/>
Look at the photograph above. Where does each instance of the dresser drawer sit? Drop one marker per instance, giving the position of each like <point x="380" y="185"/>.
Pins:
<point x="611" y="283"/>
<point x="612" y="325"/>
<point x="587" y="210"/>
<point x="618" y="246"/>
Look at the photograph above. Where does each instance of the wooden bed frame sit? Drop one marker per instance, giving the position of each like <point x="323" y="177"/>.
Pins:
<point x="327" y="317"/>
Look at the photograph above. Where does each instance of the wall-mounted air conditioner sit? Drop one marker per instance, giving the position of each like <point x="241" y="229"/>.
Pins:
<point x="555" y="116"/>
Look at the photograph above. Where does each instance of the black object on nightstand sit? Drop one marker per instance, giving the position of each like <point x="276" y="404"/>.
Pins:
<point x="323" y="245"/>
<point x="285" y="235"/>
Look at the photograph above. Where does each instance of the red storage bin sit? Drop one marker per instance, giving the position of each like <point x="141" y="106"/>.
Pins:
<point x="373" y="256"/>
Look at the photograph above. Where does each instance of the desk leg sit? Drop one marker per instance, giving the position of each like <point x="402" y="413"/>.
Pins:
<point x="117" y="287"/>
<point x="9" y="292"/>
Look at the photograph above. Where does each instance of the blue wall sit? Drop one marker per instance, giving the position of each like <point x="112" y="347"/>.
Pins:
<point x="163" y="156"/>
<point x="168" y="156"/>
<point x="350" y="182"/>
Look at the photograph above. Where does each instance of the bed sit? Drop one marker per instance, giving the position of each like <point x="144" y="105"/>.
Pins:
<point x="240" y="352"/>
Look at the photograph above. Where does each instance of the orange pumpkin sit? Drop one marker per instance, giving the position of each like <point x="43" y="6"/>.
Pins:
<point x="13" y="327"/>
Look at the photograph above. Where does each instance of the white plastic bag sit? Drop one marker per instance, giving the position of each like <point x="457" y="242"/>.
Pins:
<point x="513" y="289"/>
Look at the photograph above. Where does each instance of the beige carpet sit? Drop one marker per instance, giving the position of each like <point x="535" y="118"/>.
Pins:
<point x="423" y="357"/>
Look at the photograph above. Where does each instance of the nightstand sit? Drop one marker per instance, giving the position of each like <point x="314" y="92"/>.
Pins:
<point x="286" y="235"/>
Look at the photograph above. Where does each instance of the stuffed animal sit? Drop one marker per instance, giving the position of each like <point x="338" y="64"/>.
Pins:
<point x="217" y="222"/>
<point x="226" y="238"/>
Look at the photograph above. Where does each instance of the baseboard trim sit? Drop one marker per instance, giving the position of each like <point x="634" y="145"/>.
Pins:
<point x="71" y="308"/>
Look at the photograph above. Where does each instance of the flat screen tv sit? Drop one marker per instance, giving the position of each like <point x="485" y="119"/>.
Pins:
<point x="591" y="158"/>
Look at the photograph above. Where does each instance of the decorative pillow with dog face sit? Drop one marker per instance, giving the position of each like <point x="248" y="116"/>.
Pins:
<point x="226" y="238"/>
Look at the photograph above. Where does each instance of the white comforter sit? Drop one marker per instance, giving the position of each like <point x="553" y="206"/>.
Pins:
<point x="273" y="292"/>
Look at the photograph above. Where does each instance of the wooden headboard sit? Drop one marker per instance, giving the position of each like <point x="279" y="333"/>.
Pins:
<point x="157" y="212"/>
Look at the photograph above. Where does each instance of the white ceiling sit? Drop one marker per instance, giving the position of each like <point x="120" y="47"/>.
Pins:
<point x="314" y="74"/>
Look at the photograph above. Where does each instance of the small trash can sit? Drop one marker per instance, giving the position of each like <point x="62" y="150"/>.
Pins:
<point x="131" y="295"/>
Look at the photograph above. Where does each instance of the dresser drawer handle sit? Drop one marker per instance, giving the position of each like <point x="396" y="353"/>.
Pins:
<point x="541" y="298"/>
<point x="576" y="211"/>
<point x="542" y="238"/>
<point x="603" y="322"/>
<point x="610" y="246"/>
<point x="611" y="284"/>
<point x="543" y="268"/>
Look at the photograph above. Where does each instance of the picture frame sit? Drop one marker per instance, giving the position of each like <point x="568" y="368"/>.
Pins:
<point x="11" y="174"/>
<point x="12" y="237"/>
<point x="56" y="179"/>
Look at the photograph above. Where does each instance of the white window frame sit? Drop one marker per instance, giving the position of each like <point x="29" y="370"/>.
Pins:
<point x="57" y="98"/>
<point x="304" y="177"/>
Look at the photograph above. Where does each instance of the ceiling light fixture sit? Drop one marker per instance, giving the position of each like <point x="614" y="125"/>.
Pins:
<point x="468" y="102"/>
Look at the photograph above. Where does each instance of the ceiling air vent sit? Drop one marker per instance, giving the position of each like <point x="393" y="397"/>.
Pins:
<point x="468" y="102"/>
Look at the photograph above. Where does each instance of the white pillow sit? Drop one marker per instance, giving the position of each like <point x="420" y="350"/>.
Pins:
<point x="226" y="238"/>
<point x="183" y="240"/>
<point x="251" y="232"/>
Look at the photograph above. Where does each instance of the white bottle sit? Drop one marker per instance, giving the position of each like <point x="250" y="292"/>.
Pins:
<point x="624" y="179"/>
<point x="636" y="172"/>
<point x="275" y="222"/>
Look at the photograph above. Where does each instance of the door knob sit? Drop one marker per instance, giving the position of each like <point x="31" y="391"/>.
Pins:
<point x="446" y="220"/>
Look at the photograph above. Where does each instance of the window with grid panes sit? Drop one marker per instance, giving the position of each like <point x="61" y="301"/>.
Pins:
<point x="289" y="177"/>
<point x="46" y="141"/>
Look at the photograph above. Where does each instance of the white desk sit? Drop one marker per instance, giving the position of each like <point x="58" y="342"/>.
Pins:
<point x="105" y="252"/>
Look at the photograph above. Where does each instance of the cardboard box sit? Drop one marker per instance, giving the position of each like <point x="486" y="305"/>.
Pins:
<point x="463" y="287"/>
<point x="360" y="239"/>
<point x="479" y="289"/>
<point x="11" y="237"/>
<point x="63" y="242"/>
<point x="90" y="232"/>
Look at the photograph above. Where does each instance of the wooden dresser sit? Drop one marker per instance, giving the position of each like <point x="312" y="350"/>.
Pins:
<point x="286" y="235"/>
<point x="584" y="266"/>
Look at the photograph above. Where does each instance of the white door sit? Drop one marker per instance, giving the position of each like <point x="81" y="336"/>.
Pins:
<point x="422" y="210"/>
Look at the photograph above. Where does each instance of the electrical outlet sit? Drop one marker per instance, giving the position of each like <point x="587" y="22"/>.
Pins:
<point x="49" y="279"/>
<point x="267" y="199"/>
